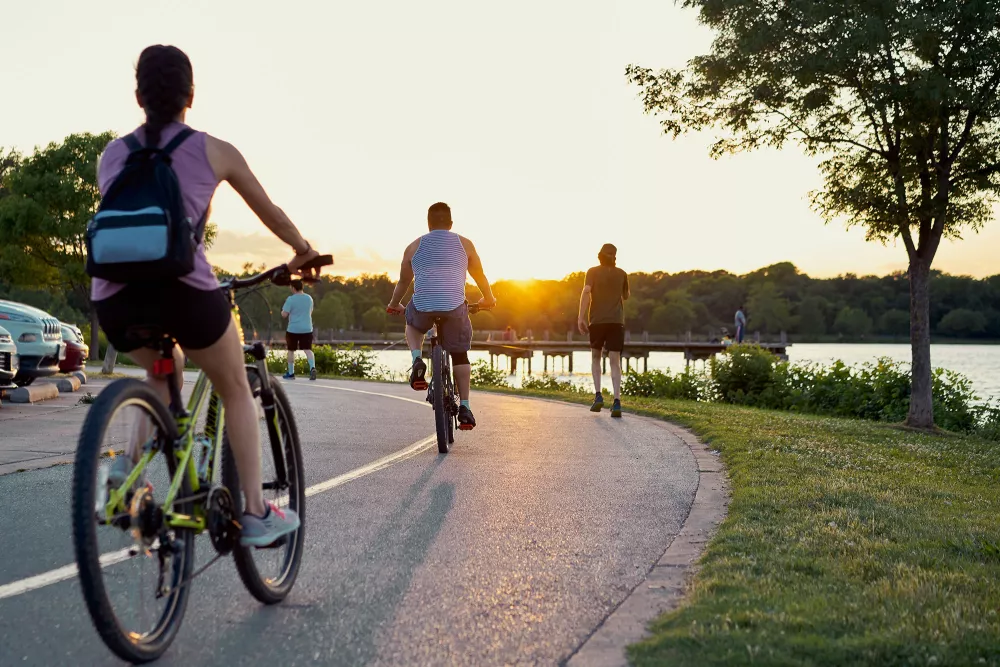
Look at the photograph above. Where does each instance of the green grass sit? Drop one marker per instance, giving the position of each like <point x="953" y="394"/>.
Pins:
<point x="846" y="543"/>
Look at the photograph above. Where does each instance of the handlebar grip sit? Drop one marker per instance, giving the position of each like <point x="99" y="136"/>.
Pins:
<point x="317" y="262"/>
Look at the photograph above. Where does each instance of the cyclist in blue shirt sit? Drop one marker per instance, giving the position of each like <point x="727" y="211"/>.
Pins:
<point x="298" y="310"/>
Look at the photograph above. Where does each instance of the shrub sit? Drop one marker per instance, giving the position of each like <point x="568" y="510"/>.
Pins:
<point x="345" y="361"/>
<point x="688" y="385"/>
<point x="549" y="383"/>
<point x="484" y="376"/>
<point x="743" y="374"/>
<point x="878" y="391"/>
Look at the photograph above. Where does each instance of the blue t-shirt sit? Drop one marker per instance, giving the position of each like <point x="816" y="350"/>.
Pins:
<point x="299" y="308"/>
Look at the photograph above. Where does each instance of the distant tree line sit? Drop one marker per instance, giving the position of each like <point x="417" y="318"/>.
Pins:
<point x="777" y="298"/>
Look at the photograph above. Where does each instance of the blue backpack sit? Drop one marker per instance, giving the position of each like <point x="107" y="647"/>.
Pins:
<point x="140" y="232"/>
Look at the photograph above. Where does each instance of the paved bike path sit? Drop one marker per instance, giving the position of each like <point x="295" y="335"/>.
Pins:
<point x="511" y="549"/>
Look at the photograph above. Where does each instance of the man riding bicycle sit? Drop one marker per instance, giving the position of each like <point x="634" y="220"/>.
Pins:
<point x="437" y="264"/>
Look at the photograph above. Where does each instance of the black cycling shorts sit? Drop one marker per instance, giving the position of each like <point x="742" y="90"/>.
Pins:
<point x="195" y="318"/>
<point x="610" y="337"/>
<point x="297" y="341"/>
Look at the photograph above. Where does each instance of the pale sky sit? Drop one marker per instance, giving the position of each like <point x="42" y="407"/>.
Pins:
<point x="356" y="116"/>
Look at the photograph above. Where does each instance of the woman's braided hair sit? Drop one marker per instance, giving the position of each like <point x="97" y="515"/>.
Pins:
<point x="164" y="80"/>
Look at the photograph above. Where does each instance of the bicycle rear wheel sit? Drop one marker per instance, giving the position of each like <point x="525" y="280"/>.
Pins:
<point x="441" y="414"/>
<point x="269" y="573"/>
<point x="122" y="562"/>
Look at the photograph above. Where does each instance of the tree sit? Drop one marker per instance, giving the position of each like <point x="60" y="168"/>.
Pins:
<point x="899" y="97"/>
<point x="812" y="315"/>
<point x="335" y="311"/>
<point x="49" y="198"/>
<point x="375" y="319"/>
<point x="767" y="310"/>
<point x="852" y="322"/>
<point x="962" y="322"/>
<point x="676" y="316"/>
<point x="894" y="322"/>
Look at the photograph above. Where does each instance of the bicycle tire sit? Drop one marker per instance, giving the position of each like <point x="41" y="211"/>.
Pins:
<point x="440" y="413"/>
<point x="271" y="590"/>
<point x="450" y="400"/>
<point x="118" y="394"/>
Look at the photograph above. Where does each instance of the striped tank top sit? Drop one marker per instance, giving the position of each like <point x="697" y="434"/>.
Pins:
<point x="439" y="268"/>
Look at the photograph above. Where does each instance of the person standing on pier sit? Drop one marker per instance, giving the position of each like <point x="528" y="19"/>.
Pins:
<point x="741" y="324"/>
<point x="602" y="315"/>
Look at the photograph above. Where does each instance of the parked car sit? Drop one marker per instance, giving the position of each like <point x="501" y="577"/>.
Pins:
<point x="8" y="359"/>
<point x="38" y="338"/>
<point x="77" y="350"/>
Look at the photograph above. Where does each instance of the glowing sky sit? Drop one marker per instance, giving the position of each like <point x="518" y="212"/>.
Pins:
<point x="357" y="116"/>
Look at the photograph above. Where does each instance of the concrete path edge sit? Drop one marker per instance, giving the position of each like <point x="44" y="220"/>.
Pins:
<point x="666" y="583"/>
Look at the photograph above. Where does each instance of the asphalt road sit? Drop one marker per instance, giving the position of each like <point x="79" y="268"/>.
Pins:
<point x="511" y="549"/>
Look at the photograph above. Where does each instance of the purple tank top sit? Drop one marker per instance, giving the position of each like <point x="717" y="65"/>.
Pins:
<point x="198" y="183"/>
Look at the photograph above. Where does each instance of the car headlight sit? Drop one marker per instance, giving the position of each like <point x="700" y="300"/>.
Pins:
<point x="16" y="317"/>
<point x="5" y="338"/>
<point x="28" y="338"/>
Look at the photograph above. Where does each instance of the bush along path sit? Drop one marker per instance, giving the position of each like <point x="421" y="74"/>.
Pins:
<point x="847" y="542"/>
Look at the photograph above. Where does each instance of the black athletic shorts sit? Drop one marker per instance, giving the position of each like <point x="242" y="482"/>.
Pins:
<point x="455" y="335"/>
<point x="195" y="318"/>
<point x="610" y="337"/>
<point x="296" y="341"/>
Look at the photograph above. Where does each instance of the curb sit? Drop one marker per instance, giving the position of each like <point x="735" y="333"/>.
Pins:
<point x="80" y="375"/>
<point x="34" y="393"/>
<point x="68" y="384"/>
<point x="664" y="587"/>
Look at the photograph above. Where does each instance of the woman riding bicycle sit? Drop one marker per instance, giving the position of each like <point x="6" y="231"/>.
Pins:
<point x="192" y="309"/>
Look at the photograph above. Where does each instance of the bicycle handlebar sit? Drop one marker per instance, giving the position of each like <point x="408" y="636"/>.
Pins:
<point x="473" y="309"/>
<point x="279" y="275"/>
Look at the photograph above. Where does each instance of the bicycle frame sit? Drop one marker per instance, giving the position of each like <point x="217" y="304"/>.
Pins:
<point x="184" y="446"/>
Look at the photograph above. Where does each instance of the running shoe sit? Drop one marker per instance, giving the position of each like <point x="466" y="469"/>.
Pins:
<point x="262" y="531"/>
<point x="417" y="375"/>
<point x="598" y="404"/>
<point x="616" y="408"/>
<point x="312" y="373"/>
<point x="288" y="376"/>
<point x="466" y="420"/>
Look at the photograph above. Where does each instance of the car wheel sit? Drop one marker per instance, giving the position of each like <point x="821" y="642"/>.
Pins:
<point x="23" y="381"/>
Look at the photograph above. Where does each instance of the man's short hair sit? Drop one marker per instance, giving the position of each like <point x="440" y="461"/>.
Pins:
<point x="296" y="285"/>
<point x="439" y="216"/>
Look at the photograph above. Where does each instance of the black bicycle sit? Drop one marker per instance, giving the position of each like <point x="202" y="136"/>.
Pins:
<point x="134" y="538"/>
<point x="441" y="392"/>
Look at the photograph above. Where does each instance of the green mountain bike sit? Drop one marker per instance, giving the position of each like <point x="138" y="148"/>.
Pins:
<point x="135" y="543"/>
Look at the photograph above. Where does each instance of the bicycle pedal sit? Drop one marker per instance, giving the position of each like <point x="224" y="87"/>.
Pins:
<point x="419" y="385"/>
<point x="466" y="427"/>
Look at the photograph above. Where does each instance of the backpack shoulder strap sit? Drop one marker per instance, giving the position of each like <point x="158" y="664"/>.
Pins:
<point x="132" y="143"/>
<point x="177" y="140"/>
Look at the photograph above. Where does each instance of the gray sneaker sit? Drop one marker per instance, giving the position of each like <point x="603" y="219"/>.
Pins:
<point x="263" y="531"/>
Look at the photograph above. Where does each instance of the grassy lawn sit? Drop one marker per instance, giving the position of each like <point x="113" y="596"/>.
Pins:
<point x="846" y="543"/>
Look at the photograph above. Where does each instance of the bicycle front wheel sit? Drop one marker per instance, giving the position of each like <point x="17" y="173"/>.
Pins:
<point x="441" y="413"/>
<point x="270" y="572"/>
<point x="132" y="567"/>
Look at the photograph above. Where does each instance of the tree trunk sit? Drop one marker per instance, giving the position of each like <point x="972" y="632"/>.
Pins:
<point x="110" y="357"/>
<point x="921" y="400"/>
<point x="95" y="337"/>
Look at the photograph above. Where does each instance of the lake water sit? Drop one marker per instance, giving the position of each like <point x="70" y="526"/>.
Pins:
<point x="980" y="363"/>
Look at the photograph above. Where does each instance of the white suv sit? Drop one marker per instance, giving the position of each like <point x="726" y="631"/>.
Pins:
<point x="38" y="337"/>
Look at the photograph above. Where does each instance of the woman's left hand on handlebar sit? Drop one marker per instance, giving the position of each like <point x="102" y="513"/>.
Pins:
<point x="486" y="304"/>
<point x="298" y="260"/>
<point x="395" y="308"/>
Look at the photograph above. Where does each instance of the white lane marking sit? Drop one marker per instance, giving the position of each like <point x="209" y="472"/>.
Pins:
<point x="114" y="557"/>
<point x="370" y="393"/>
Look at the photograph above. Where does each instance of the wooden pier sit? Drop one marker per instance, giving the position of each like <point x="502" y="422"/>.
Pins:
<point x="632" y="354"/>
